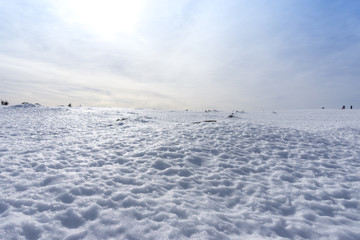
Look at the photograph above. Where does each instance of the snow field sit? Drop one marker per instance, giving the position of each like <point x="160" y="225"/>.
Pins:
<point x="87" y="173"/>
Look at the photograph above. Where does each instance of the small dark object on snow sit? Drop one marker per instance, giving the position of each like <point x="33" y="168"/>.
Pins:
<point x="351" y="107"/>
<point x="121" y="119"/>
<point x="69" y="105"/>
<point x="231" y="115"/>
<point x="343" y="107"/>
<point x="206" y="121"/>
<point x="5" y="103"/>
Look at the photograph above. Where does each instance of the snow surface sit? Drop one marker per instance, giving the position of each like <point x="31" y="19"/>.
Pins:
<point x="89" y="173"/>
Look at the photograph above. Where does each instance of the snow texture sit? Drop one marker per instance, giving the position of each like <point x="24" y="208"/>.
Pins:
<point x="91" y="173"/>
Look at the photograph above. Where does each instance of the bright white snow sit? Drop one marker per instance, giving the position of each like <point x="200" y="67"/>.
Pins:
<point x="88" y="173"/>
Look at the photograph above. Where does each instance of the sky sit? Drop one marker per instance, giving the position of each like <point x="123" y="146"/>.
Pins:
<point x="184" y="54"/>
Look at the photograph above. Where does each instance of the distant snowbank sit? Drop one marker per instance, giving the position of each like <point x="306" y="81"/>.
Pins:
<point x="26" y="105"/>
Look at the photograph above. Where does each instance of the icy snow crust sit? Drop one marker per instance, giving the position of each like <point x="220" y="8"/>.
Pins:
<point x="87" y="173"/>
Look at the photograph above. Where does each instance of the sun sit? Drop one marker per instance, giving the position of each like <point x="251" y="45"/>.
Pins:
<point x="105" y="18"/>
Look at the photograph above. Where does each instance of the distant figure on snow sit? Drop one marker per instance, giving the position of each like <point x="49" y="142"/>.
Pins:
<point x="351" y="107"/>
<point x="343" y="107"/>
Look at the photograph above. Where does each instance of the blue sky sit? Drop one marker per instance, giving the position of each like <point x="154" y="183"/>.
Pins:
<point x="199" y="54"/>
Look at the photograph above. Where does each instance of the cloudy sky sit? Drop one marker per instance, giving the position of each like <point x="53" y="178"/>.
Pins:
<point x="183" y="54"/>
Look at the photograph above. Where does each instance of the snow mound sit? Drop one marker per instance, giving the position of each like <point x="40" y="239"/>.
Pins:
<point x="26" y="105"/>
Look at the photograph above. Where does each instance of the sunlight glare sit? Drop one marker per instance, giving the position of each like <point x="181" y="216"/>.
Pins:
<point x="106" y="18"/>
